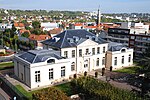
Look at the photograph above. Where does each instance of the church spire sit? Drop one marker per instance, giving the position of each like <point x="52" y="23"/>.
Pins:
<point x="98" y="17"/>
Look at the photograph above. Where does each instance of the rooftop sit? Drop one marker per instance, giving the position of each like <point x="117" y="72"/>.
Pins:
<point x="36" y="56"/>
<point x="72" y="38"/>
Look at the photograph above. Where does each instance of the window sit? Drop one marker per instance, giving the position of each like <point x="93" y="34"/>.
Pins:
<point x="129" y="59"/>
<point x="51" y="61"/>
<point x="97" y="62"/>
<point x="73" y="53"/>
<point x="85" y="63"/>
<point x="51" y="73"/>
<point x="103" y="49"/>
<point x="115" y="61"/>
<point x="93" y="51"/>
<point x="122" y="61"/>
<point x="103" y="61"/>
<point x="63" y="71"/>
<point x="123" y="50"/>
<point x="132" y="37"/>
<point x="37" y="76"/>
<point x="98" y="50"/>
<point x="73" y="66"/>
<point x="66" y="54"/>
<point x="87" y="51"/>
<point x="80" y="52"/>
<point x="21" y="76"/>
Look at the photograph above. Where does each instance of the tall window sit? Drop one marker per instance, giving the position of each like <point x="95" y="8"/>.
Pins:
<point x="85" y="63"/>
<point x="73" y="53"/>
<point x="103" y="49"/>
<point x="129" y="59"/>
<point x="93" y="51"/>
<point x="73" y="66"/>
<point x="87" y="51"/>
<point x="80" y="52"/>
<point x="115" y="61"/>
<point x="122" y="61"/>
<point x="103" y="61"/>
<point x="37" y="76"/>
<point x="97" y="62"/>
<point x="66" y="54"/>
<point x="51" y="73"/>
<point x="63" y="71"/>
<point x="98" y="50"/>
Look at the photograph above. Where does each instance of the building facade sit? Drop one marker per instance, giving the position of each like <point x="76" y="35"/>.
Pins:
<point x="68" y="53"/>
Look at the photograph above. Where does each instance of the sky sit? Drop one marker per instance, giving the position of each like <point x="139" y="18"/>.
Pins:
<point x="106" y="6"/>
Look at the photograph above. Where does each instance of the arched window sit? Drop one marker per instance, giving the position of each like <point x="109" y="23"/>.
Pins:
<point x="123" y="50"/>
<point x="51" y="61"/>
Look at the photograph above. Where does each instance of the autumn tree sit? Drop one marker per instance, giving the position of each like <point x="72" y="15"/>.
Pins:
<point x="49" y="94"/>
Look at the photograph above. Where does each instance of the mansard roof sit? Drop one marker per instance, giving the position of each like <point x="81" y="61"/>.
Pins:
<point x="36" y="56"/>
<point x="112" y="46"/>
<point x="72" y="38"/>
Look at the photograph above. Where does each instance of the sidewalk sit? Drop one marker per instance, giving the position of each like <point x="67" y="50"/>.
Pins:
<point x="3" y="95"/>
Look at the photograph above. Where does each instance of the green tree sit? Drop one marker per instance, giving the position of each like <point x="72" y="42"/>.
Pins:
<point x="25" y="34"/>
<point x="36" y="24"/>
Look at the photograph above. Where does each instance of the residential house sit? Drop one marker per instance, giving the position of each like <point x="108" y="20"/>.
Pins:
<point x="38" y="39"/>
<point x="47" y="26"/>
<point x="19" y="26"/>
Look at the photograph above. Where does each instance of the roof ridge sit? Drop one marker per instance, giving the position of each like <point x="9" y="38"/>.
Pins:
<point x="63" y="39"/>
<point x="34" y="59"/>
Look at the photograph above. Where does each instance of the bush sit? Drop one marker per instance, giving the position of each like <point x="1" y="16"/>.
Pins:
<point x="49" y="94"/>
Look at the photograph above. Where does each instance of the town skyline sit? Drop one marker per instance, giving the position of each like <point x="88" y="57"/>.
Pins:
<point x="107" y="6"/>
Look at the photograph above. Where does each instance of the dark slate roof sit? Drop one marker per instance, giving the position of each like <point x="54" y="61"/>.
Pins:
<point x="35" y="56"/>
<point x="72" y="38"/>
<point x="112" y="46"/>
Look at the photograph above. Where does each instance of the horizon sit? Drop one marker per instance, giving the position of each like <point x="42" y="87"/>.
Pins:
<point x="107" y="6"/>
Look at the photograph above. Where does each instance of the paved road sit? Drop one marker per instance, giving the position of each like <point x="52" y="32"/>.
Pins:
<point x="4" y="95"/>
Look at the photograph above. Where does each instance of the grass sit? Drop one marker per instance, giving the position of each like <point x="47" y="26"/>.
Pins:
<point x="24" y="92"/>
<point x="66" y="88"/>
<point x="63" y="87"/>
<point x="6" y="65"/>
<point x="129" y="70"/>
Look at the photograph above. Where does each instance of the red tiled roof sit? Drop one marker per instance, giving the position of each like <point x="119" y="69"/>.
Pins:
<point x="18" y="24"/>
<point x="39" y="37"/>
<point x="90" y="26"/>
<point x="78" y="24"/>
<point x="24" y="30"/>
<point x="55" y="31"/>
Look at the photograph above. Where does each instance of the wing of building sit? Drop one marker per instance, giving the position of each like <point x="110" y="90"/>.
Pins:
<point x="68" y="53"/>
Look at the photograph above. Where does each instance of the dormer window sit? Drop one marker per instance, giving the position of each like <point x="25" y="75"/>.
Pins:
<point x="51" y="61"/>
<point x="75" y="38"/>
<point x="123" y="50"/>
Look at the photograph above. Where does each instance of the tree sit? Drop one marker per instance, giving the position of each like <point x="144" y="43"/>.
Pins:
<point x="49" y="94"/>
<point x="25" y="34"/>
<point x="36" y="24"/>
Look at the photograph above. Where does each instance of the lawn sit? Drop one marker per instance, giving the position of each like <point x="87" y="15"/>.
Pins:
<point x="6" y="65"/>
<point x="24" y="92"/>
<point x="66" y="88"/>
<point x="129" y="70"/>
<point x="63" y="87"/>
